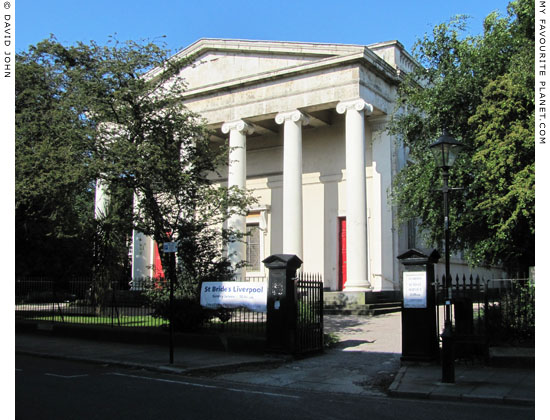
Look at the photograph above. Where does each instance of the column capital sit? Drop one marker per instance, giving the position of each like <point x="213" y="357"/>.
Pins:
<point x="295" y="116"/>
<point x="356" y="104"/>
<point x="238" y="125"/>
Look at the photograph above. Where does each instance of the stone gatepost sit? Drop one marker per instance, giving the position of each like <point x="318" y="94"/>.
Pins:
<point x="419" y="339"/>
<point x="282" y="302"/>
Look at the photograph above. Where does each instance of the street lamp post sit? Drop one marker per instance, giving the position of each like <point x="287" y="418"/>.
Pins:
<point x="445" y="150"/>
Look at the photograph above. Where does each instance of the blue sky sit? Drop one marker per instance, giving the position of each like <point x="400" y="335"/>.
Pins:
<point x="185" y="21"/>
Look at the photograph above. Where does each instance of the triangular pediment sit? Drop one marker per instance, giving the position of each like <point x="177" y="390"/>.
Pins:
<point x="214" y="61"/>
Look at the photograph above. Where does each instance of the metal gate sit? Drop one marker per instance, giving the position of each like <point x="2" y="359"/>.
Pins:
<point x="309" y="325"/>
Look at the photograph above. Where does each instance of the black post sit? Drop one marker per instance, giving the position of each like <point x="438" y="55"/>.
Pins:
<point x="447" y="356"/>
<point x="172" y="275"/>
<point x="445" y="150"/>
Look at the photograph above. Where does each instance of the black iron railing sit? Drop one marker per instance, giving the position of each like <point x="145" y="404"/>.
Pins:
<point x="238" y="321"/>
<point x="309" y="328"/>
<point x="82" y="301"/>
<point x="488" y="311"/>
<point x="85" y="302"/>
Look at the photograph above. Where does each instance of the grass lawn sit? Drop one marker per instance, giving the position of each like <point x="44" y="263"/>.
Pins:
<point x="123" y="320"/>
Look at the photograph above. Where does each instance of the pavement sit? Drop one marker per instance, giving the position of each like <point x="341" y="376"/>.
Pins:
<point x="364" y="361"/>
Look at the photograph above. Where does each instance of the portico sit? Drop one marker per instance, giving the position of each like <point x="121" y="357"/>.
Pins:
<point x="303" y="122"/>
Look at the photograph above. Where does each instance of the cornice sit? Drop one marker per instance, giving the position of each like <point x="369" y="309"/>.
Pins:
<point x="366" y="58"/>
<point x="268" y="47"/>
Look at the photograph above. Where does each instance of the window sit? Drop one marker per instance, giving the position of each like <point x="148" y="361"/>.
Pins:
<point x="253" y="247"/>
<point x="256" y="229"/>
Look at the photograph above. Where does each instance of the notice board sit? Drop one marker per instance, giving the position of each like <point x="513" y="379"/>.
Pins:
<point x="414" y="289"/>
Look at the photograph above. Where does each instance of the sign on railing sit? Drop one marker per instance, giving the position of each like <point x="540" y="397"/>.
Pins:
<point x="233" y="294"/>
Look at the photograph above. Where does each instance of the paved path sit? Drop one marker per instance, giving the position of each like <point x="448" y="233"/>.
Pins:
<point x="365" y="361"/>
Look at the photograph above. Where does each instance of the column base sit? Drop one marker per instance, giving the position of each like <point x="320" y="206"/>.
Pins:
<point x="358" y="288"/>
<point x="355" y="297"/>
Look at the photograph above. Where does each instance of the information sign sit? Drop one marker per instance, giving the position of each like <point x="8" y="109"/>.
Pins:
<point x="168" y="247"/>
<point x="414" y="289"/>
<point x="233" y="294"/>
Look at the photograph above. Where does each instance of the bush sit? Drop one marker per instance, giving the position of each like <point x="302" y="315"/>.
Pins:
<point x="513" y="319"/>
<point x="48" y="297"/>
<point x="198" y="261"/>
<point x="188" y="314"/>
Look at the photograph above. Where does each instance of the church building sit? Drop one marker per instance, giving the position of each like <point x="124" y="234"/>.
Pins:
<point x="307" y="124"/>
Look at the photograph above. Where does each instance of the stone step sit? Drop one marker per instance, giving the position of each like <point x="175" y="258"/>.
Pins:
<point x="372" y="309"/>
<point x="361" y="297"/>
<point x="367" y="305"/>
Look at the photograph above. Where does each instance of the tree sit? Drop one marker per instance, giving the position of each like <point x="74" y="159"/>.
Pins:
<point x="112" y="228"/>
<point x="478" y="89"/>
<point x="54" y="172"/>
<point x="146" y="143"/>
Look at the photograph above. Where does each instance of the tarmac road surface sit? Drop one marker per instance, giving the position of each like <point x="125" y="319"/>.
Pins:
<point x="60" y="389"/>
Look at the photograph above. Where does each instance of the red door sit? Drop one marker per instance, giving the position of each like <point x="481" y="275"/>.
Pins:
<point x="342" y="254"/>
<point x="158" y="272"/>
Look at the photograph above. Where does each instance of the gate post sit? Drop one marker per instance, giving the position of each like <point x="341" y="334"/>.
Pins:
<point x="419" y="339"/>
<point x="282" y="302"/>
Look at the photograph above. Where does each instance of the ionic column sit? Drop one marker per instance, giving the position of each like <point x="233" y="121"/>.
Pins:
<point x="142" y="261"/>
<point x="356" y="194"/>
<point x="141" y="244"/>
<point x="237" y="130"/>
<point x="142" y="249"/>
<point x="101" y="199"/>
<point x="292" y="180"/>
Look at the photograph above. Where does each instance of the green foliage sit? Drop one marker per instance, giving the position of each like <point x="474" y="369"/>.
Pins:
<point x="330" y="340"/>
<point x="54" y="172"/>
<point x="512" y="320"/>
<point x="157" y="160"/>
<point x="188" y="314"/>
<point x="477" y="88"/>
<point x="123" y="103"/>
<point x="190" y="274"/>
<point x="112" y="235"/>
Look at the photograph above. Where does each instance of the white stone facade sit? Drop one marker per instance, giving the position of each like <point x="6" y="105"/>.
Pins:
<point x="308" y="123"/>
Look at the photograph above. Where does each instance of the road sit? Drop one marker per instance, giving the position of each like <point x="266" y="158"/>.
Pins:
<point x="59" y="389"/>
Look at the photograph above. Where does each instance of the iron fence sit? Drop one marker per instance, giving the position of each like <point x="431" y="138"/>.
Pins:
<point x="83" y="301"/>
<point x="309" y="328"/>
<point x="510" y="310"/>
<point x="238" y="321"/>
<point x="487" y="311"/>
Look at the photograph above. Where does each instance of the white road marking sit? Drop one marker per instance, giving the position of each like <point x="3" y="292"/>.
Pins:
<point x="271" y="394"/>
<point x="65" y="376"/>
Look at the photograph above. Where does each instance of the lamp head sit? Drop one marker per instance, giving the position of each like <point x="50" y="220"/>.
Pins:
<point x="445" y="150"/>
